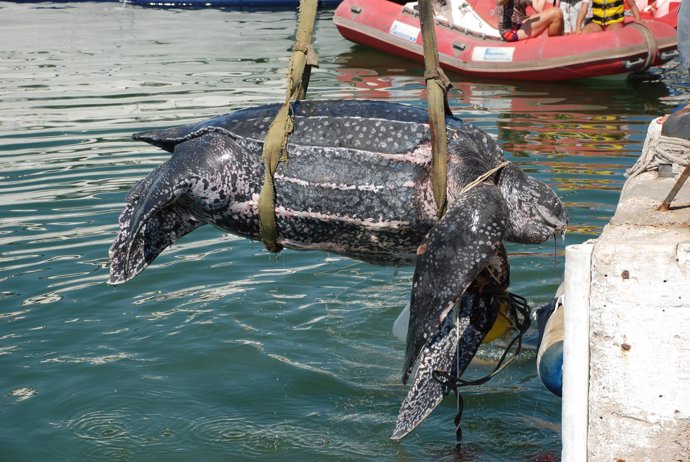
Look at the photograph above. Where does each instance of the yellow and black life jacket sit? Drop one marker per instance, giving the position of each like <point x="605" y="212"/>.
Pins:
<point x="605" y="12"/>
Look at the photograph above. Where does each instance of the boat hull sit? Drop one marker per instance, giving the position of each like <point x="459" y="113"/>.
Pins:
<point x="386" y="26"/>
<point x="253" y="4"/>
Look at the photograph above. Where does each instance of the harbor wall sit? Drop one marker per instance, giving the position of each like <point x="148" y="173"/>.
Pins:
<point x="626" y="372"/>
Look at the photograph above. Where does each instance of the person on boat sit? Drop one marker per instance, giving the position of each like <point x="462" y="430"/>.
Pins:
<point x="514" y="24"/>
<point x="570" y="9"/>
<point x="606" y="14"/>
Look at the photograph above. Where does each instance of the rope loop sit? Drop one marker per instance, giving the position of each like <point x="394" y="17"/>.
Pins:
<point x="439" y="77"/>
<point x="301" y="47"/>
<point x="481" y="178"/>
<point x="658" y="150"/>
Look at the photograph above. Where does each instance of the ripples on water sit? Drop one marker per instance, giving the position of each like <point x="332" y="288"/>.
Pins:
<point x="220" y="351"/>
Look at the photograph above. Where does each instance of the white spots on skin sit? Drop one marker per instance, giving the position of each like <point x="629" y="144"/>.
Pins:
<point x="323" y="246"/>
<point x="244" y="208"/>
<point x="367" y="223"/>
<point x="335" y="186"/>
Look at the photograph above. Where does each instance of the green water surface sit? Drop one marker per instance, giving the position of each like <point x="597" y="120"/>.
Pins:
<point x="220" y="351"/>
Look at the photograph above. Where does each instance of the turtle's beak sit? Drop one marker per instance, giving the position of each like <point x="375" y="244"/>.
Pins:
<point x="556" y="218"/>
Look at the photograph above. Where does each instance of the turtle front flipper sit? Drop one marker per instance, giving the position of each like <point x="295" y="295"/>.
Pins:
<point x="449" y="352"/>
<point x="449" y="258"/>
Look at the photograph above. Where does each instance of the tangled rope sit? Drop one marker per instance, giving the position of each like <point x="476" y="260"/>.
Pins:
<point x="520" y="320"/>
<point x="481" y="178"/>
<point x="658" y="150"/>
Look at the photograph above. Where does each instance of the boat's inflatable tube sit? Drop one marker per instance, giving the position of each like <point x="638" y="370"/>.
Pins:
<point x="246" y="4"/>
<point x="250" y="4"/>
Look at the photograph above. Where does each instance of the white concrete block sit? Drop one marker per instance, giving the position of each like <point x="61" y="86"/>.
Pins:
<point x="639" y="330"/>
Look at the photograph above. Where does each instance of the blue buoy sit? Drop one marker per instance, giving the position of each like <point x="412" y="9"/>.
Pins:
<point x="550" y="348"/>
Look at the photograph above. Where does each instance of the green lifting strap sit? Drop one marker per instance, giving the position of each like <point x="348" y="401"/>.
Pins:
<point x="275" y="144"/>
<point x="437" y="85"/>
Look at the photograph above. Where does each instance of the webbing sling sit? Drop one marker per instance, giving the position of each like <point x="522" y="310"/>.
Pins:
<point x="275" y="144"/>
<point x="437" y="85"/>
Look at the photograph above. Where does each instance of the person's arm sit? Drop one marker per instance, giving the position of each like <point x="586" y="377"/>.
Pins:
<point x="581" y="16"/>
<point x="635" y="11"/>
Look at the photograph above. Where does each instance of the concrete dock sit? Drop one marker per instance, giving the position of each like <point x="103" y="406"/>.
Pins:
<point x="626" y="371"/>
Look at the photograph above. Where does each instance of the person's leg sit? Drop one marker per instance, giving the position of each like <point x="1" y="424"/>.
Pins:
<point x="592" y="27"/>
<point x="569" y="8"/>
<point x="614" y="26"/>
<point x="535" y="25"/>
<point x="556" y="23"/>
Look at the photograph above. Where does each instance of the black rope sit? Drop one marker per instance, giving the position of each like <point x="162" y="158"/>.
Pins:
<point x="517" y="305"/>
<point x="458" y="417"/>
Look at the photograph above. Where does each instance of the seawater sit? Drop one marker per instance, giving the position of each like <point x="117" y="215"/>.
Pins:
<point x="220" y="351"/>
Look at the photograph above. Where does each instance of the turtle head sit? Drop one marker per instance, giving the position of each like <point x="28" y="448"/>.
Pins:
<point x="535" y="212"/>
<point x="171" y="201"/>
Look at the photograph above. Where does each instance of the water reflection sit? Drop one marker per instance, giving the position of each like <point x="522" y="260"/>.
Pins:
<point x="573" y="119"/>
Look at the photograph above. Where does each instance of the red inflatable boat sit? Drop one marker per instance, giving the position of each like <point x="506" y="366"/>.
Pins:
<point x="469" y="43"/>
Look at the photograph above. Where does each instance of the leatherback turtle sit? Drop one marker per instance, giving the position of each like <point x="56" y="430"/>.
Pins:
<point x="358" y="184"/>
